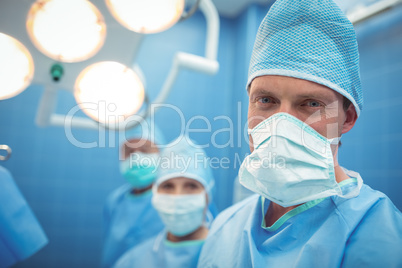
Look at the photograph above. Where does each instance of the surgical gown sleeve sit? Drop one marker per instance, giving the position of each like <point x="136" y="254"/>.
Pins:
<point x="111" y="202"/>
<point x="377" y="240"/>
<point x="128" y="222"/>
<point x="20" y="232"/>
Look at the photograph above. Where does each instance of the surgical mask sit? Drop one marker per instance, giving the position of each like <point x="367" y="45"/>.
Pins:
<point x="291" y="163"/>
<point x="140" y="169"/>
<point x="181" y="214"/>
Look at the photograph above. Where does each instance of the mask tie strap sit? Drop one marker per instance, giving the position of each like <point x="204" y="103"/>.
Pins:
<point x="355" y="191"/>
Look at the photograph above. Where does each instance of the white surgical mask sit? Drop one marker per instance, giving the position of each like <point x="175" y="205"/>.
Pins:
<point x="291" y="163"/>
<point x="181" y="214"/>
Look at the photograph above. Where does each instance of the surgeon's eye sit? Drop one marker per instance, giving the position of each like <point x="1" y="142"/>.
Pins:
<point x="166" y="186"/>
<point x="313" y="104"/>
<point x="264" y="100"/>
<point x="192" y="187"/>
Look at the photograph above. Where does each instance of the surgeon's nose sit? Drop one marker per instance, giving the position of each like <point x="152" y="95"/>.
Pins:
<point x="286" y="107"/>
<point x="177" y="190"/>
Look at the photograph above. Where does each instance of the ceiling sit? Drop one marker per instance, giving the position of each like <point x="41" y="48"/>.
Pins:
<point x="232" y="8"/>
<point x="13" y="15"/>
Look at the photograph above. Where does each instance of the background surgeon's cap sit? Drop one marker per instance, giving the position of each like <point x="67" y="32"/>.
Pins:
<point x="147" y="130"/>
<point x="311" y="40"/>
<point x="184" y="158"/>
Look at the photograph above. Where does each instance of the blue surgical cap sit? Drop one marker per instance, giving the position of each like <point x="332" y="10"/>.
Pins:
<point x="146" y="129"/>
<point x="184" y="158"/>
<point x="311" y="40"/>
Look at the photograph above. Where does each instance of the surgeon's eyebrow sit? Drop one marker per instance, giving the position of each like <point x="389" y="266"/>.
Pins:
<point x="264" y="91"/>
<point x="317" y="95"/>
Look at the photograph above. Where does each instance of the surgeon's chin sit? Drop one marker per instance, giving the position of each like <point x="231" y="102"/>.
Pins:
<point x="199" y="234"/>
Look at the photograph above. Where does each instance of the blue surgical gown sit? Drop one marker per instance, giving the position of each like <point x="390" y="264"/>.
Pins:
<point x="158" y="252"/>
<point x="129" y="220"/>
<point x="364" y="231"/>
<point x="21" y="235"/>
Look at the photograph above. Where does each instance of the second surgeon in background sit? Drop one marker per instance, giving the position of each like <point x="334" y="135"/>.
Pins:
<point x="182" y="193"/>
<point x="129" y="216"/>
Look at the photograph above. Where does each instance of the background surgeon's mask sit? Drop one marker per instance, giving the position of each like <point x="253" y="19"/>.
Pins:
<point x="140" y="169"/>
<point x="291" y="163"/>
<point x="182" y="214"/>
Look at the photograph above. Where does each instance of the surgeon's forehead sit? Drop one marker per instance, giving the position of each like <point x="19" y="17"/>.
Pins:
<point x="182" y="180"/>
<point x="133" y="145"/>
<point x="274" y="85"/>
<point x="138" y="143"/>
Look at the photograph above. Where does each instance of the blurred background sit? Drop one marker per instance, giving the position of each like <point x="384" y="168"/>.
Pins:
<point x="66" y="186"/>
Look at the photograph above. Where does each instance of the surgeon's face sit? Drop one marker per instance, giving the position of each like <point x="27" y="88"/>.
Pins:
<point x="138" y="145"/>
<point x="315" y="104"/>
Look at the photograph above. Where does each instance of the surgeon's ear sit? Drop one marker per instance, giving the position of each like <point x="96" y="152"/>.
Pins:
<point x="350" y="119"/>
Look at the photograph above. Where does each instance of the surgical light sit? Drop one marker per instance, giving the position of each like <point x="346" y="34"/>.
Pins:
<point x="146" y="16"/>
<point x="109" y="92"/>
<point x="16" y="67"/>
<point x="68" y="31"/>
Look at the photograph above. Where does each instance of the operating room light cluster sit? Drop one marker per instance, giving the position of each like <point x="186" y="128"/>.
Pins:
<point x="74" y="31"/>
<point x="16" y="67"/>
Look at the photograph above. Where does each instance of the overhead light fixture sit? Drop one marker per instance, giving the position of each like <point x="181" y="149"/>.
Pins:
<point x="68" y="31"/>
<point x="100" y="94"/>
<point x="109" y="92"/>
<point x="361" y="12"/>
<point x="16" y="67"/>
<point x="146" y="16"/>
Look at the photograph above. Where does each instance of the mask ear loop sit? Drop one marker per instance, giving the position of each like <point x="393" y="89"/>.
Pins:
<point x="208" y="191"/>
<point x="208" y="215"/>
<point x="334" y="141"/>
<point x="208" y="219"/>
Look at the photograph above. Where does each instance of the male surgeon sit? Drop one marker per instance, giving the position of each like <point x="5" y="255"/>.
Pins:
<point x="304" y="94"/>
